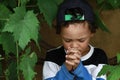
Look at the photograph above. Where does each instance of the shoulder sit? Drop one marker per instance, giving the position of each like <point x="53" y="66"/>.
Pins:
<point x="95" y="56"/>
<point x="99" y="51"/>
<point x="55" y="51"/>
<point x="59" y="48"/>
<point x="94" y="51"/>
<point x="100" y="55"/>
<point x="56" y="55"/>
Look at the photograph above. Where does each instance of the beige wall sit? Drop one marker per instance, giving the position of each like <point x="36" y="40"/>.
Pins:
<point x="110" y="42"/>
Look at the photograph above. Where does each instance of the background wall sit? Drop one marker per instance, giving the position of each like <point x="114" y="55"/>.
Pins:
<point x="110" y="42"/>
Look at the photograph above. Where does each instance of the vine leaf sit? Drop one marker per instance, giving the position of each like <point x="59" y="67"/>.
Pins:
<point x="99" y="1"/>
<point x="6" y="39"/>
<point x="9" y="3"/>
<point x="12" y="70"/>
<point x="115" y="73"/>
<point x="4" y="12"/>
<point x="100" y="23"/>
<point x="4" y="15"/>
<point x="24" y="26"/>
<point x="27" y="64"/>
<point x="58" y="1"/>
<point x="118" y="58"/>
<point x="49" y="10"/>
<point x="105" y="70"/>
<point x="114" y="3"/>
<point x="112" y="71"/>
<point x="24" y="2"/>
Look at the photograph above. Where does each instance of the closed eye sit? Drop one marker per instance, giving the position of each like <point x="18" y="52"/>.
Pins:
<point x="81" y="40"/>
<point x="67" y="40"/>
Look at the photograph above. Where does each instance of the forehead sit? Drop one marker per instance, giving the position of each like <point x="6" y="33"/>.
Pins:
<point x="76" y="30"/>
<point x="76" y="27"/>
<point x="75" y="23"/>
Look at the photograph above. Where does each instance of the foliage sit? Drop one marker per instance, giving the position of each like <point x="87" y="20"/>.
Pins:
<point x="108" y="4"/>
<point x="113" y="72"/>
<point x="20" y="22"/>
<point x="100" y="23"/>
<point x="26" y="66"/>
<point x="105" y="5"/>
<point x="19" y="27"/>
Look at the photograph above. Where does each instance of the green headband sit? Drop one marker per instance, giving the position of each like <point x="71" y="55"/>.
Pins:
<point x="69" y="17"/>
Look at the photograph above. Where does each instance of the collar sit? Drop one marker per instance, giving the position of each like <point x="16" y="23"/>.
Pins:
<point x="89" y="54"/>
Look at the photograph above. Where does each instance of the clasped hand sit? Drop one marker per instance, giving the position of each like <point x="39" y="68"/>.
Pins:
<point x="73" y="56"/>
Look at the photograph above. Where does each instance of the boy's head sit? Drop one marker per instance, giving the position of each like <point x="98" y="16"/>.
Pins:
<point x="75" y="11"/>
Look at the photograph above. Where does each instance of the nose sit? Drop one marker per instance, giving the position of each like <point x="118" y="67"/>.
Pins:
<point x="74" y="45"/>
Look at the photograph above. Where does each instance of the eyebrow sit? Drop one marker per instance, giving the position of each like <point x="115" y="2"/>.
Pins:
<point x="76" y="39"/>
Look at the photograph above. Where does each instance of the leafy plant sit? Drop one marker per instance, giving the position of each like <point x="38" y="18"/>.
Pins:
<point x="105" y="5"/>
<point x="20" y="22"/>
<point x="19" y="27"/>
<point x="112" y="72"/>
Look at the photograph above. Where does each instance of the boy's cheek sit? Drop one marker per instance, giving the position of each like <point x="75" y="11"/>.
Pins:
<point x="66" y="46"/>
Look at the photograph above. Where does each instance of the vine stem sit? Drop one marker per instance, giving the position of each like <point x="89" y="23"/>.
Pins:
<point x="17" y="60"/>
<point x="19" y="1"/>
<point x="4" y="19"/>
<point x="18" y="74"/>
<point x="102" y="7"/>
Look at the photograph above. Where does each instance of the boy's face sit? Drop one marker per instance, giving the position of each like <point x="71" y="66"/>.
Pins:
<point x="76" y="36"/>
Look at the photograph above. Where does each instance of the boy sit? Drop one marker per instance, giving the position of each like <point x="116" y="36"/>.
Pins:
<point x="76" y="59"/>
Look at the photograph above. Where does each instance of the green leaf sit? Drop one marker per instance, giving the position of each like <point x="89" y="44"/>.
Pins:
<point x="118" y="58"/>
<point x="106" y="69"/>
<point x="27" y="64"/>
<point x="12" y="70"/>
<point x="107" y="6"/>
<point x="58" y="1"/>
<point x="4" y="12"/>
<point x="114" y="3"/>
<point x="8" y="44"/>
<point x="27" y="30"/>
<point x="115" y="73"/>
<point x="49" y="10"/>
<point x="2" y="23"/>
<point x="9" y="3"/>
<point x="15" y="19"/>
<point x="24" y="2"/>
<point x="100" y="2"/>
<point x="4" y="15"/>
<point x="112" y="72"/>
<point x="100" y="23"/>
<point x="24" y="26"/>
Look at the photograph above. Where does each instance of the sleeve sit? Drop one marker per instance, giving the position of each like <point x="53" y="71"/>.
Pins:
<point x="81" y="73"/>
<point x="88" y="73"/>
<point x="52" y="71"/>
